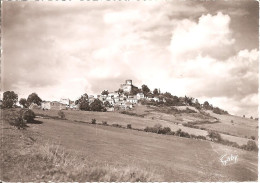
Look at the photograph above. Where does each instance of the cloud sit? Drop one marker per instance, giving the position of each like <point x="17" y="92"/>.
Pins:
<point x="205" y="66"/>
<point x="210" y="36"/>
<point x="66" y="49"/>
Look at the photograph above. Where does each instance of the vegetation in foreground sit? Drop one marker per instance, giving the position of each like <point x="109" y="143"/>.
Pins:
<point x="50" y="162"/>
<point x="27" y="157"/>
<point x="64" y="166"/>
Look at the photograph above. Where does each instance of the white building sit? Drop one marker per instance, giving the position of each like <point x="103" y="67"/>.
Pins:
<point x="46" y="105"/>
<point x="132" y="100"/>
<point x="65" y="101"/>
<point x="140" y="96"/>
<point x="156" y="99"/>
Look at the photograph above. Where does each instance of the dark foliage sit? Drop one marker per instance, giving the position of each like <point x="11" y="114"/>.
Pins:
<point x="27" y="115"/>
<point x="215" y="136"/>
<point x="97" y="105"/>
<point x="9" y="99"/>
<point x="93" y="121"/>
<point x="117" y="125"/>
<point x="34" y="98"/>
<point x="104" y="123"/>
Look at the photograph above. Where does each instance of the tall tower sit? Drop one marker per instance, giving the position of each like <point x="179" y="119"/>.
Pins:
<point x="128" y="82"/>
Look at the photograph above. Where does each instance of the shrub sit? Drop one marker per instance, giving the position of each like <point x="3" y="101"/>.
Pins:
<point x="93" y="121"/>
<point x="117" y="125"/>
<point x="27" y="115"/>
<point x="19" y="123"/>
<point x="201" y="137"/>
<point x="61" y="114"/>
<point x="104" y="123"/>
<point x="251" y="146"/>
<point x="215" y="136"/>
<point x="164" y="130"/>
<point x="229" y="143"/>
<point x="253" y="137"/>
<point x="129" y="126"/>
<point x="177" y="133"/>
<point x="155" y="129"/>
<point x="170" y="133"/>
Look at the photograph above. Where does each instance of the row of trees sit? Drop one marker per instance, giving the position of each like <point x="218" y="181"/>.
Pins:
<point x="10" y="99"/>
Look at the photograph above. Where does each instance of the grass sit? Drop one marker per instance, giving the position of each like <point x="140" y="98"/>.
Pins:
<point x="116" y="154"/>
<point x="142" y="122"/>
<point x="69" y="167"/>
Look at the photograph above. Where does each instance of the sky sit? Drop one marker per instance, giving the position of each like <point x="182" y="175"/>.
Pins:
<point x="203" y="49"/>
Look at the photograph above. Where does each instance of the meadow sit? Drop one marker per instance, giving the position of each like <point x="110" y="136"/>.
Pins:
<point x="147" y="117"/>
<point x="73" y="150"/>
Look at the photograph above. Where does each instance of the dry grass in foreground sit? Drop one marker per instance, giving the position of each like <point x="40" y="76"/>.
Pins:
<point x="64" y="166"/>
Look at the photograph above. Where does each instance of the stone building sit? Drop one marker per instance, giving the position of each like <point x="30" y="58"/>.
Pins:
<point x="127" y="86"/>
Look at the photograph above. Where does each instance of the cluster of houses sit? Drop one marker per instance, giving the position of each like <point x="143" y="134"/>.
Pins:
<point x="115" y="99"/>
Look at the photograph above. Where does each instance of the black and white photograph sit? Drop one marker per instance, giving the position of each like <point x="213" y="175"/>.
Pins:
<point x="129" y="90"/>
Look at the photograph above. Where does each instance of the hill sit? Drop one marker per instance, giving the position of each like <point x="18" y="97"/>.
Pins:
<point x="76" y="150"/>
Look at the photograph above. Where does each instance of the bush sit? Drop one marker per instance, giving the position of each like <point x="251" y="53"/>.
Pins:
<point x="93" y="121"/>
<point x="19" y="123"/>
<point x="215" y="136"/>
<point x="116" y="125"/>
<point x="27" y="115"/>
<point x="155" y="129"/>
<point x="61" y="114"/>
<point x="164" y="130"/>
<point x="104" y="123"/>
<point x="251" y="146"/>
<point x="201" y="137"/>
<point x="129" y="126"/>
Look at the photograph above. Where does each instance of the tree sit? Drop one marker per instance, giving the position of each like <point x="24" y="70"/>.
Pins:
<point x="155" y="91"/>
<point x="134" y="90"/>
<point x="197" y="104"/>
<point x="206" y="105"/>
<point x="84" y="105"/>
<point x="97" y="106"/>
<point x="34" y="98"/>
<point x="9" y="99"/>
<point x="83" y="102"/>
<point x="167" y="95"/>
<point x="107" y="104"/>
<point x="83" y="97"/>
<point x="105" y="92"/>
<point x="23" y="102"/>
<point x="120" y="91"/>
<point x="145" y="89"/>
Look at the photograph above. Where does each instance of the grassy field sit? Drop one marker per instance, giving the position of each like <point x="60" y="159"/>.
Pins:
<point x="115" y="153"/>
<point x="151" y="117"/>
<point x="234" y="125"/>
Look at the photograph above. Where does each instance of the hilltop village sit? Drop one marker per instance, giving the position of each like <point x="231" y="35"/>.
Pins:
<point x="126" y="97"/>
<point x="121" y="99"/>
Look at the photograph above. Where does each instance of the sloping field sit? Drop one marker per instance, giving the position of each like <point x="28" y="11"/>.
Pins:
<point x="136" y="122"/>
<point x="234" y="125"/>
<point x="174" y="158"/>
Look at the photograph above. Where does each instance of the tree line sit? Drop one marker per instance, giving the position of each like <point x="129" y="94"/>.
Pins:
<point x="10" y="98"/>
